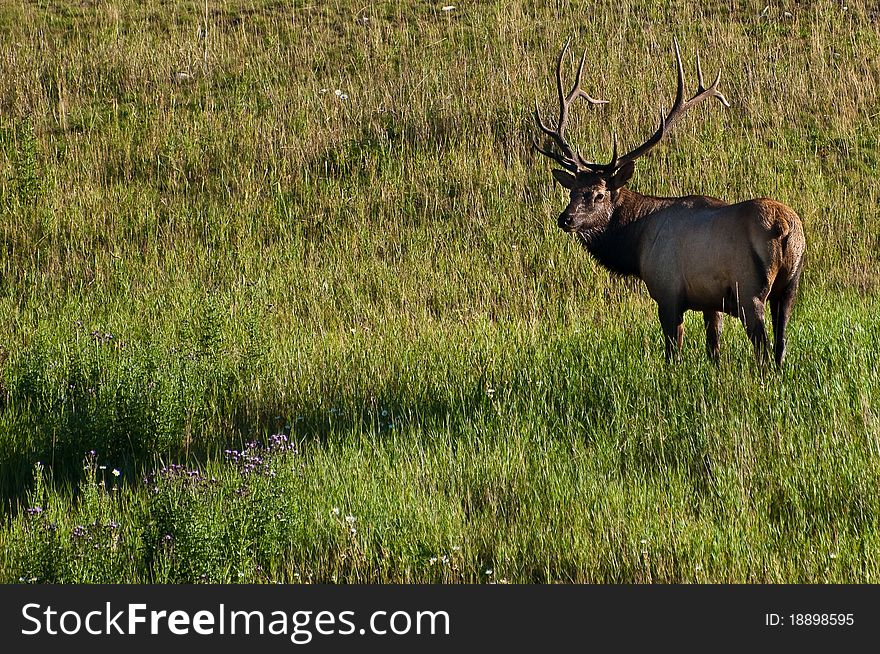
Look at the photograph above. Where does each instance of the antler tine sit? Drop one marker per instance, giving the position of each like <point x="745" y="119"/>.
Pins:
<point x="679" y="90"/>
<point x="613" y="163"/>
<point x="700" y="86"/>
<point x="567" y="157"/>
<point x="544" y="128"/>
<point x="577" y="91"/>
<point x="563" y="105"/>
<point x="713" y="87"/>
<point x="715" y="93"/>
<point x="558" y="158"/>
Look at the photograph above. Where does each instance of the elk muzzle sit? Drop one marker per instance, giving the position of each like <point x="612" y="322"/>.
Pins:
<point x="565" y="222"/>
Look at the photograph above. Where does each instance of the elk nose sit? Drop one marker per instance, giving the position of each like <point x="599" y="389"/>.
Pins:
<point x="564" y="221"/>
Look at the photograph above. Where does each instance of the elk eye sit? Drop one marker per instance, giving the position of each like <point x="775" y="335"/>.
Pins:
<point x="598" y="197"/>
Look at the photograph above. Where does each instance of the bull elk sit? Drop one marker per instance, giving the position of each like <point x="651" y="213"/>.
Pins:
<point x="694" y="252"/>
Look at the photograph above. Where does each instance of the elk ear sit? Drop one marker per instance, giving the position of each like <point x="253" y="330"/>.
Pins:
<point x="567" y="180"/>
<point x="622" y="176"/>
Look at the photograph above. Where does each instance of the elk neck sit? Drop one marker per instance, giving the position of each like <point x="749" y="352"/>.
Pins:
<point x="617" y="244"/>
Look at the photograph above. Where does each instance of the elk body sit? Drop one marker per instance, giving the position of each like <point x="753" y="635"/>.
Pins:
<point x="693" y="253"/>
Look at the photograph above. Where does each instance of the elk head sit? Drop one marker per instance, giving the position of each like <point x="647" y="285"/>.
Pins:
<point x="595" y="187"/>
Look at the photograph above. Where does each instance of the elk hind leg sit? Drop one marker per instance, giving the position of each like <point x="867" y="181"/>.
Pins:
<point x="752" y="314"/>
<point x="781" y="303"/>
<point x="712" y="321"/>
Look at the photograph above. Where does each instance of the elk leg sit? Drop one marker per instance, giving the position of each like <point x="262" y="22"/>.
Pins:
<point x="712" y="320"/>
<point x="753" y="320"/>
<point x="672" y="323"/>
<point x="780" y="310"/>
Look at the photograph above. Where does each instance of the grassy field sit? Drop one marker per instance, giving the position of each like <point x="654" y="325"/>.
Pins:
<point x="282" y="298"/>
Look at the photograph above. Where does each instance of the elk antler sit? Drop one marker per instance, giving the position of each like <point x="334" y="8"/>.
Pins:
<point x="566" y="157"/>
<point x="679" y="108"/>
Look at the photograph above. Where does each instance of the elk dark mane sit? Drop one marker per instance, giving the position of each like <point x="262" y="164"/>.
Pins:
<point x="615" y="246"/>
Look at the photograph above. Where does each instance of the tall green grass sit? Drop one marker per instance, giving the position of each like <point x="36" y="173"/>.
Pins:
<point x="203" y="245"/>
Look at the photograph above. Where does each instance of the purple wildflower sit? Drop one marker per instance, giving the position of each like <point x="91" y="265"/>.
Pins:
<point x="255" y="458"/>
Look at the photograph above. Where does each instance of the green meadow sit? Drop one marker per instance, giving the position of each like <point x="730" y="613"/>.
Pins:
<point x="283" y="299"/>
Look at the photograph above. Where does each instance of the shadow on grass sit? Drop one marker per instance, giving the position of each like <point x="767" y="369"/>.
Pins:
<point x="391" y="137"/>
<point x="133" y="431"/>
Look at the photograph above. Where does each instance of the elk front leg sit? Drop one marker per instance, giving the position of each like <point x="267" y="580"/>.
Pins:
<point x="672" y="323"/>
<point x="712" y="320"/>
